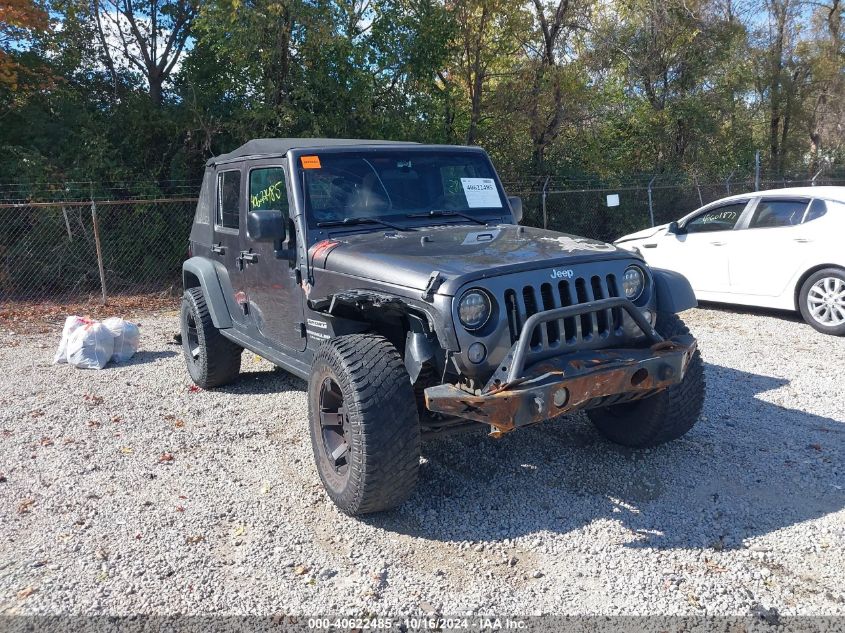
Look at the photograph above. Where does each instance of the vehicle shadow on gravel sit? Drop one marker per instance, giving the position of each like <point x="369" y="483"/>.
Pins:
<point x="786" y="315"/>
<point x="142" y="357"/>
<point x="264" y="382"/>
<point x="748" y="468"/>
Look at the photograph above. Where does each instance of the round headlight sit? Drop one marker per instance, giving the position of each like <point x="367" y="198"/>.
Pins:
<point x="633" y="282"/>
<point x="474" y="309"/>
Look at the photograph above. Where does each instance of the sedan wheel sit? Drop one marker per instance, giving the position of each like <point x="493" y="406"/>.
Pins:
<point x="826" y="301"/>
<point x="822" y="301"/>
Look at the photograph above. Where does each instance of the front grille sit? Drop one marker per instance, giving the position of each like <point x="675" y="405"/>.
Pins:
<point x="570" y="332"/>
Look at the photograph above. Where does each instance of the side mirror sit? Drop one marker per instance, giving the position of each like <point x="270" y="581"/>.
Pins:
<point x="516" y="208"/>
<point x="674" y="229"/>
<point x="265" y="226"/>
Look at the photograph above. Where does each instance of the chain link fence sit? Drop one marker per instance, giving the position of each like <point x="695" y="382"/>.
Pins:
<point x="585" y="211"/>
<point x="49" y="250"/>
<point x="58" y="251"/>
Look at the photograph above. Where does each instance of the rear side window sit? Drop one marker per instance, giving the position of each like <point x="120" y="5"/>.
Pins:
<point x="775" y="213"/>
<point x="817" y="209"/>
<point x="267" y="190"/>
<point x="722" y="218"/>
<point x="228" y="199"/>
<point x="203" y="215"/>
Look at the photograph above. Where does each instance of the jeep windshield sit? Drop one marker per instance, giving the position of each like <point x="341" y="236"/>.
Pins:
<point x="413" y="187"/>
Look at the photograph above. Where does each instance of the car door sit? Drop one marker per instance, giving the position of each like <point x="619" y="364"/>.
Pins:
<point x="225" y="248"/>
<point x="698" y="249"/>
<point x="770" y="246"/>
<point x="276" y="300"/>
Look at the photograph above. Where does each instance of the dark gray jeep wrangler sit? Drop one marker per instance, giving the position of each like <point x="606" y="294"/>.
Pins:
<point x="395" y="279"/>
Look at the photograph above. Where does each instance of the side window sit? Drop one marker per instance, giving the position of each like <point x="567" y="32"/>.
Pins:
<point x="203" y="215"/>
<point x="817" y="209"/>
<point x="722" y="218"/>
<point x="267" y="190"/>
<point x="228" y="199"/>
<point x="774" y="213"/>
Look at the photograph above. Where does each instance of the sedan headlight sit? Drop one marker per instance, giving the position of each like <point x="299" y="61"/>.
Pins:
<point x="633" y="282"/>
<point x="474" y="309"/>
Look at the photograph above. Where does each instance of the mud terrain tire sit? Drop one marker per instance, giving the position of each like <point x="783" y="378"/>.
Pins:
<point x="212" y="359"/>
<point x="365" y="431"/>
<point x="663" y="417"/>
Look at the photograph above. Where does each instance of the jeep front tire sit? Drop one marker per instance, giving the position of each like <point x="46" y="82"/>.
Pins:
<point x="663" y="417"/>
<point x="365" y="431"/>
<point x="212" y="359"/>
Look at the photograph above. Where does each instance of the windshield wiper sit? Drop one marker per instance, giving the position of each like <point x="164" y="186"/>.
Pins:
<point x="362" y="220"/>
<point x="438" y="213"/>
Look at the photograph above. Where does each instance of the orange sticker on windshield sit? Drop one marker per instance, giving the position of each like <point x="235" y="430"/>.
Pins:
<point x="310" y="162"/>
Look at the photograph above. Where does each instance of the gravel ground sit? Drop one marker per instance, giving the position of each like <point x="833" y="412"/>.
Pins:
<point x="125" y="491"/>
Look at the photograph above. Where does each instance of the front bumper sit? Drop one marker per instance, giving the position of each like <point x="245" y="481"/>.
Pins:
<point x="516" y="396"/>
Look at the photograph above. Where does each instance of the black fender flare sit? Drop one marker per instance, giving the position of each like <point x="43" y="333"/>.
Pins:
<point x="421" y="340"/>
<point x="674" y="292"/>
<point x="205" y="273"/>
<point x="419" y="347"/>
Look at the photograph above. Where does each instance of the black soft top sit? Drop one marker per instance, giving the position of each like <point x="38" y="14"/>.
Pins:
<point x="280" y="146"/>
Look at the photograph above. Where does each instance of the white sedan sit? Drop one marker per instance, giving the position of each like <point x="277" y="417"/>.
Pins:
<point x="783" y="248"/>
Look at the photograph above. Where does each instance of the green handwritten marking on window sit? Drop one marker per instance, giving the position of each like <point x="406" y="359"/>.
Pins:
<point x="270" y="194"/>
<point x="267" y="189"/>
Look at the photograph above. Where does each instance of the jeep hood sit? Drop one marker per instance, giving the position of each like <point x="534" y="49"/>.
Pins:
<point x="459" y="253"/>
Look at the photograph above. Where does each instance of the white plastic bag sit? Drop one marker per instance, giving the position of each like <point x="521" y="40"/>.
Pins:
<point x="72" y="323"/>
<point x="90" y="346"/>
<point x="127" y="338"/>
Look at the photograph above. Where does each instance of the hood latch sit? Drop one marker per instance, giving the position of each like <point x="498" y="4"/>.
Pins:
<point x="434" y="282"/>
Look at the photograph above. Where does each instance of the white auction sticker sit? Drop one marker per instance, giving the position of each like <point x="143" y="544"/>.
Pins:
<point x="481" y="192"/>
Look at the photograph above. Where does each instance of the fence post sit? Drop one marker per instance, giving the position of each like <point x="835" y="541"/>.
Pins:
<point x="545" y="213"/>
<point x="728" y="181"/>
<point x="650" y="202"/>
<point x="96" y="224"/>
<point x="818" y="173"/>
<point x="67" y="223"/>
<point x="698" y="188"/>
<point x="757" y="170"/>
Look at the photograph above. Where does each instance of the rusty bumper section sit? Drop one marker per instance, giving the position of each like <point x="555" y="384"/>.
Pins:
<point x="566" y="383"/>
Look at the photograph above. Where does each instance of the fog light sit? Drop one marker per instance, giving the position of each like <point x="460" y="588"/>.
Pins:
<point x="477" y="353"/>
<point x="630" y="328"/>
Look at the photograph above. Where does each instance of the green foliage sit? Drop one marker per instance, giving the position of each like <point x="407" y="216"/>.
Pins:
<point x="609" y="89"/>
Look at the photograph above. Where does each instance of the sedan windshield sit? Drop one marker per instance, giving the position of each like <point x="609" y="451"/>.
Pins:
<point x="402" y="184"/>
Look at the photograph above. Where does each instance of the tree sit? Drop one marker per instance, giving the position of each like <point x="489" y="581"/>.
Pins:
<point x="826" y="107"/>
<point x="148" y="37"/>
<point x="670" y="55"/>
<point x="487" y="40"/>
<point x="19" y="19"/>
<point x="547" y="98"/>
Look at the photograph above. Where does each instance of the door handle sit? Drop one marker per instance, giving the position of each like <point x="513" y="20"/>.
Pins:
<point x="802" y="240"/>
<point x="717" y="243"/>
<point x="651" y="245"/>
<point x="246" y="257"/>
<point x="218" y="248"/>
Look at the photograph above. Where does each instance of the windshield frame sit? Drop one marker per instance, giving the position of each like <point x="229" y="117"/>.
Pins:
<point x="490" y="215"/>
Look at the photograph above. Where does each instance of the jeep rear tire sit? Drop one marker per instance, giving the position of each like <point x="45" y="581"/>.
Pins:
<point x="212" y="359"/>
<point x="365" y="431"/>
<point x="664" y="416"/>
<point x="821" y="301"/>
